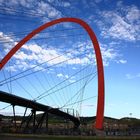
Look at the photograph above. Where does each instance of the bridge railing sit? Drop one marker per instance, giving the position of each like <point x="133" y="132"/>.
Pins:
<point x="71" y="111"/>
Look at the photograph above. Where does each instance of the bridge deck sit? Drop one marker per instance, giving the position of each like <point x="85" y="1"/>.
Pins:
<point x="20" y="101"/>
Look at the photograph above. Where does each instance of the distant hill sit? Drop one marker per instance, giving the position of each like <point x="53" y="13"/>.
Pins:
<point x="84" y="120"/>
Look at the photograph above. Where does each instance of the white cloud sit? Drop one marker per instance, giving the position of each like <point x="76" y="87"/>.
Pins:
<point x="119" y="29"/>
<point x="122" y="61"/>
<point x="60" y="3"/>
<point x="130" y="76"/>
<point x="122" y="23"/>
<point x="5" y="38"/>
<point x="81" y="61"/>
<point x="33" y="48"/>
<point x="74" y="68"/>
<point x="108" y="54"/>
<point x="11" y="68"/>
<point x="8" y="43"/>
<point x="40" y="9"/>
<point x="71" y="79"/>
<point x="133" y="14"/>
<point x="45" y="8"/>
<point x="66" y="76"/>
<point x="17" y="3"/>
<point x="98" y="1"/>
<point x="60" y="75"/>
<point x="66" y="4"/>
<point x="34" y="54"/>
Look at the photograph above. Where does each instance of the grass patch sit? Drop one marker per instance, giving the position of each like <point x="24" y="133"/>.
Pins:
<point x="48" y="137"/>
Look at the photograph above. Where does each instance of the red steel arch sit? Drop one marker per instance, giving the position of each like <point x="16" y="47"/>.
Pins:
<point x="101" y="87"/>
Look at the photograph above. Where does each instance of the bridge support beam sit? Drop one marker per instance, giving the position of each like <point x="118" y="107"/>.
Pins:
<point x="47" y="118"/>
<point x="14" y="116"/>
<point x="34" y="120"/>
<point x="23" y="119"/>
<point x="28" y="122"/>
<point x="40" y="122"/>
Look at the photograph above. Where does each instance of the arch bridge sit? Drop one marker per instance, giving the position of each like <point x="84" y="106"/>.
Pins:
<point x="15" y="100"/>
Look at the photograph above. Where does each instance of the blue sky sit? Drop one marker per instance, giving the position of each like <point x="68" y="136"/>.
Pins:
<point x="117" y="27"/>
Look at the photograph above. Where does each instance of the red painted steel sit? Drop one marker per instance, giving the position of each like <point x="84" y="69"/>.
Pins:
<point x="101" y="87"/>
